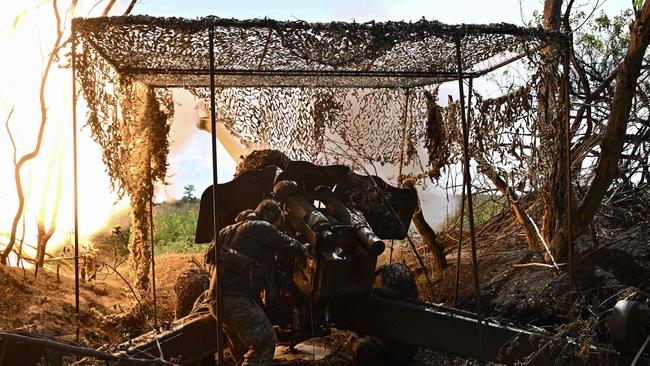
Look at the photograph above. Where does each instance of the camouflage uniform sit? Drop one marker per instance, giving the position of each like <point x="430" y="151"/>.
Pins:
<point x="250" y="333"/>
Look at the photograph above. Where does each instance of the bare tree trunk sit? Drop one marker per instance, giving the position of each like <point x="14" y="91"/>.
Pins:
<point x="614" y="137"/>
<point x="430" y="239"/>
<point x="52" y="58"/>
<point x="130" y="7"/>
<point x="44" y="234"/>
<point x="553" y="136"/>
<point x="426" y="232"/>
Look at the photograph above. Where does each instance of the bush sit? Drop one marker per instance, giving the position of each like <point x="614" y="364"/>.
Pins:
<point x="175" y="226"/>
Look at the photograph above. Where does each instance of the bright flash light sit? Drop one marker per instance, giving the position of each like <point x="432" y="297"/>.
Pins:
<point x="27" y="35"/>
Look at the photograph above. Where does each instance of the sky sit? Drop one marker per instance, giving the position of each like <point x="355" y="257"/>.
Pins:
<point x="517" y="12"/>
<point x="457" y="11"/>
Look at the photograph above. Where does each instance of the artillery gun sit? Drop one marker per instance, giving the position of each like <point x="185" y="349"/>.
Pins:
<point x="347" y="217"/>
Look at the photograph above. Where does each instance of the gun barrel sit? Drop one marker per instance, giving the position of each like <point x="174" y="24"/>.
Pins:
<point x="365" y="236"/>
<point x="302" y="211"/>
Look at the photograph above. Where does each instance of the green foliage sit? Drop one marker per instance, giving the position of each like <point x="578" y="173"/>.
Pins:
<point x="175" y="226"/>
<point x="638" y="4"/>
<point x="486" y="207"/>
<point x="591" y="41"/>
<point x="601" y="41"/>
<point x="603" y="21"/>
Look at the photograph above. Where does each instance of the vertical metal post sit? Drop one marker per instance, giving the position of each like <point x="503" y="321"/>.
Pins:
<point x="215" y="180"/>
<point x="467" y="182"/>
<point x="460" y="240"/>
<point x="74" y="179"/>
<point x="470" y="87"/>
<point x="462" y="200"/>
<point x="567" y="152"/>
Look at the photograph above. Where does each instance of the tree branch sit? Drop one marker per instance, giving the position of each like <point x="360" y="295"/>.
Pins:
<point x="11" y="136"/>
<point x="108" y="8"/>
<point x="614" y="137"/>
<point x="130" y="7"/>
<point x="81" y="351"/>
<point x="53" y="57"/>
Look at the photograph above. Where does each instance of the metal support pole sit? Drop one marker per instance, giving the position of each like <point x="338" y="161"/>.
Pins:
<point x="470" y="87"/>
<point x="215" y="180"/>
<point x="462" y="202"/>
<point x="567" y="152"/>
<point x="74" y="179"/>
<point x="467" y="182"/>
<point x="460" y="242"/>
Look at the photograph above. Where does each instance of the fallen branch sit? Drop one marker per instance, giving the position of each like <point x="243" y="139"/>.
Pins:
<point x="531" y="230"/>
<point x="83" y="351"/>
<point x="544" y="265"/>
<point x="546" y="247"/>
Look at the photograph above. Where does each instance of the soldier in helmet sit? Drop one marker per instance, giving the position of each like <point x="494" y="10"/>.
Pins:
<point x="247" y="248"/>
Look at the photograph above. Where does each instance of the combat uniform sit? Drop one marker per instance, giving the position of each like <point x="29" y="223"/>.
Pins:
<point x="250" y="333"/>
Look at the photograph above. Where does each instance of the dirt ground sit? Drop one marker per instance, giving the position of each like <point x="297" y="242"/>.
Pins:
<point x="615" y="268"/>
<point x="46" y="304"/>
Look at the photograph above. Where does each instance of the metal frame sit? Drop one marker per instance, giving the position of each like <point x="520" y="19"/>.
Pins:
<point x="316" y="77"/>
<point x="75" y="175"/>
<point x="467" y="183"/>
<point x="215" y="181"/>
<point x="439" y="76"/>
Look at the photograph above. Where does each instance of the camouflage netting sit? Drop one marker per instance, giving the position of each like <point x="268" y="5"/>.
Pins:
<point x="263" y="52"/>
<point x="320" y="92"/>
<point x="347" y="93"/>
<point x="326" y="125"/>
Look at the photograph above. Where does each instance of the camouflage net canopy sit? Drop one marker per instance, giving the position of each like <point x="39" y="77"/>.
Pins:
<point x="316" y="91"/>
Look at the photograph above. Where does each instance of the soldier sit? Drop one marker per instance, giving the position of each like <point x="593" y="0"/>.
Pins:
<point x="247" y="249"/>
